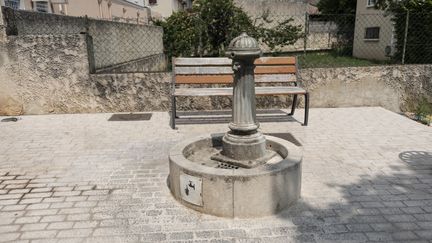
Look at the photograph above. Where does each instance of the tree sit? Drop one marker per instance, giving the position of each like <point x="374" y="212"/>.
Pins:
<point x="210" y="25"/>
<point x="419" y="33"/>
<point x="337" y="6"/>
<point x="341" y="12"/>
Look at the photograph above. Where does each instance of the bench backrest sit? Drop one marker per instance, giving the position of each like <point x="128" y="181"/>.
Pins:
<point x="219" y="70"/>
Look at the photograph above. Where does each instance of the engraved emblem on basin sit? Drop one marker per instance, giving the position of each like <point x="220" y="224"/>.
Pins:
<point x="191" y="189"/>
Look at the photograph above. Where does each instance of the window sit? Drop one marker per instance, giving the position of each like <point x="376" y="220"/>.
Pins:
<point x="15" y="4"/>
<point x="372" y="33"/>
<point x="152" y="2"/>
<point x="41" y="6"/>
<point x="371" y="3"/>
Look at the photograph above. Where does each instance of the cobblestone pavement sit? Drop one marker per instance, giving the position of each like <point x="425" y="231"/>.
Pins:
<point x="367" y="176"/>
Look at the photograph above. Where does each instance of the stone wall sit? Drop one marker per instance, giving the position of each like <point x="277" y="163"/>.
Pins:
<point x="392" y="87"/>
<point x="50" y="74"/>
<point x="110" y="44"/>
<point x="116" y="43"/>
<point x="154" y="63"/>
<point x="44" y="74"/>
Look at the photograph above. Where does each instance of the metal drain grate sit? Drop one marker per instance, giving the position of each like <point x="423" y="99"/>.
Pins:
<point x="131" y="117"/>
<point x="222" y="165"/>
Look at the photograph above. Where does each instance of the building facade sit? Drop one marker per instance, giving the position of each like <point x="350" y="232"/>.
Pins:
<point x="121" y="10"/>
<point x="164" y="8"/>
<point x="374" y="32"/>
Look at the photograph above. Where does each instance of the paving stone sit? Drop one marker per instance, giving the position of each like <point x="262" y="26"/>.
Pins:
<point x="208" y="234"/>
<point x="13" y="207"/>
<point x="38" y="206"/>
<point x="11" y="196"/>
<point x="60" y="225"/>
<point x="30" y="227"/>
<point x="404" y="235"/>
<point x="400" y="218"/>
<point x="53" y="218"/>
<point x="86" y="224"/>
<point x="233" y="233"/>
<point x="19" y="191"/>
<point x="42" y="212"/>
<point x="9" y="228"/>
<point x="79" y="217"/>
<point x="375" y="236"/>
<point x="359" y="227"/>
<point x="87" y="204"/>
<point x="425" y="234"/>
<point x="62" y="205"/>
<point x="9" y="237"/>
<point x="38" y="234"/>
<point x="27" y="220"/>
<point x="9" y="202"/>
<point x="43" y="189"/>
<point x="74" y="210"/>
<point x="74" y="233"/>
<point x="30" y="201"/>
<point x="181" y="236"/>
<point x="362" y="191"/>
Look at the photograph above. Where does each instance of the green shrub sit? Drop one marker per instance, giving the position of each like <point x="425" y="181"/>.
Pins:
<point x="210" y="25"/>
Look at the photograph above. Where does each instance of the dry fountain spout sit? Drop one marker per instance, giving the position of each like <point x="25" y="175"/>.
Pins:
<point x="244" y="145"/>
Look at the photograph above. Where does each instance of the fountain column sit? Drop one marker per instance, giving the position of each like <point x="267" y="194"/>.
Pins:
<point x="243" y="145"/>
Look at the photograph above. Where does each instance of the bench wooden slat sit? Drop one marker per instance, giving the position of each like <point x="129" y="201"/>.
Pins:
<point x="227" y="79"/>
<point x="203" y="79"/>
<point x="204" y="70"/>
<point x="228" y="70"/>
<point x="229" y="91"/>
<point x="223" y="61"/>
<point x="211" y="61"/>
<point x="274" y="69"/>
<point x="276" y="61"/>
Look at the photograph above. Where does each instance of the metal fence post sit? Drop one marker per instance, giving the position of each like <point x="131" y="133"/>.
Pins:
<point x="405" y="37"/>
<point x="305" y="39"/>
<point x="89" y="42"/>
<point x="2" y="27"/>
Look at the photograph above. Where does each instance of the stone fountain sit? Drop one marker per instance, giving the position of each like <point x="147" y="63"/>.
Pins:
<point x="241" y="173"/>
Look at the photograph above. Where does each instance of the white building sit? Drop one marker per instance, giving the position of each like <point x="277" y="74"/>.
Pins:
<point x="374" y="32"/>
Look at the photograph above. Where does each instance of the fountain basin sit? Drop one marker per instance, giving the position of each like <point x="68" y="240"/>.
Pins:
<point x="226" y="190"/>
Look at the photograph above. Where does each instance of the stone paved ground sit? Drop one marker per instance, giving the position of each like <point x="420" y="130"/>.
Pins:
<point x="367" y="176"/>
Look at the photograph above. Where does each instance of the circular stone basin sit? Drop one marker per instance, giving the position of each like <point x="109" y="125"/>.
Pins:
<point x="225" y="190"/>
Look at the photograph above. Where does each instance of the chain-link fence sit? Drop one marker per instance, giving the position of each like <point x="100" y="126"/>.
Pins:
<point x="320" y="40"/>
<point x="360" y="40"/>
<point x="112" y="46"/>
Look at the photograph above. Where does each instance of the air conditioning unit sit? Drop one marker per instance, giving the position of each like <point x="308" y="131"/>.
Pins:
<point x="389" y="50"/>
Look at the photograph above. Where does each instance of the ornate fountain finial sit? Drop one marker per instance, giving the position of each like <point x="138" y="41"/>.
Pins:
<point x="244" y="46"/>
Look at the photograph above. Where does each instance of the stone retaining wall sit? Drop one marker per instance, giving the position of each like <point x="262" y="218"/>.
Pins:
<point x="393" y="87"/>
<point x="50" y="74"/>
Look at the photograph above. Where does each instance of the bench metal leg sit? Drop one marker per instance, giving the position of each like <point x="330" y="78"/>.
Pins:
<point x="293" y="106"/>
<point x="306" y="115"/>
<point x="173" y="112"/>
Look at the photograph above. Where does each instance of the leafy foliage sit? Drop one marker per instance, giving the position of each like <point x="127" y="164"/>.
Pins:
<point x="208" y="28"/>
<point x="337" y="6"/>
<point x="418" y="48"/>
<point x="342" y="12"/>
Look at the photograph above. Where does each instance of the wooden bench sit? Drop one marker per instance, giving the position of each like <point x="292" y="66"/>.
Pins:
<point x="279" y="71"/>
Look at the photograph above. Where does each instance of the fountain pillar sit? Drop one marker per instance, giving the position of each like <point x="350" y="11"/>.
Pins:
<point x="244" y="145"/>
